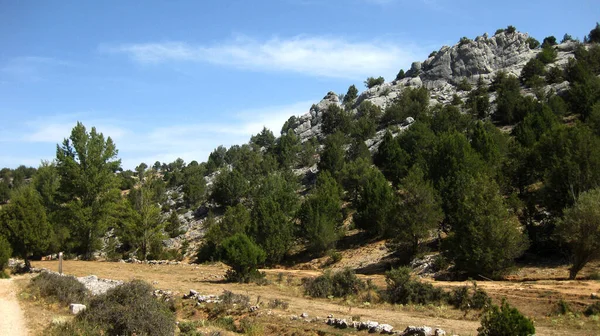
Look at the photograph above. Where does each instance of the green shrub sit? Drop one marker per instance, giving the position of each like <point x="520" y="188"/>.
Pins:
<point x="243" y="256"/>
<point x="401" y="288"/>
<point x="464" y="40"/>
<point x="129" y="309"/>
<point x="534" y="67"/>
<point x="432" y="54"/>
<point x="464" y="85"/>
<point x="547" y="55"/>
<point x="563" y="307"/>
<point x="65" y="289"/>
<point x="466" y="298"/>
<point x="5" y="253"/>
<point x="549" y="41"/>
<point x="371" y="81"/>
<point x="499" y="31"/>
<point x="555" y="75"/>
<point x="567" y="38"/>
<point x="511" y="29"/>
<point x="340" y="284"/>
<point x="533" y="43"/>
<point x="401" y="75"/>
<point x="334" y="257"/>
<point x="593" y="309"/>
<point x="189" y="328"/>
<point x="505" y="320"/>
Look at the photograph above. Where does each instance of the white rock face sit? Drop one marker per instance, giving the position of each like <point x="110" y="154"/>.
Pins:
<point x="98" y="286"/>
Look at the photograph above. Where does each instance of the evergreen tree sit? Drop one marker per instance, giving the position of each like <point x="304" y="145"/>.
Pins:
<point x="417" y="213"/>
<point x="264" y="139"/>
<point x="391" y="159"/>
<point x="230" y="187"/>
<point x="351" y="95"/>
<point x="86" y="163"/>
<point x="194" y="185"/>
<point x="275" y="205"/>
<point x="243" y="256"/>
<point x="374" y="204"/>
<point x="146" y="223"/>
<point x="333" y="155"/>
<point x="287" y="149"/>
<point x="335" y="119"/>
<point x="320" y="215"/>
<point x="485" y="239"/>
<point x="580" y="229"/>
<point x="23" y="221"/>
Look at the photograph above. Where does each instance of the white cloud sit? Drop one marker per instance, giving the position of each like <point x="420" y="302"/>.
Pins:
<point x="149" y="143"/>
<point x="316" y="56"/>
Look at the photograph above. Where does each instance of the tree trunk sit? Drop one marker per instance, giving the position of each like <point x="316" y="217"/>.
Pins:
<point x="578" y="263"/>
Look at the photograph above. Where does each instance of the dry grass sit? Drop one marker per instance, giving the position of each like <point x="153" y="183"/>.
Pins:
<point x="39" y="314"/>
<point x="536" y="298"/>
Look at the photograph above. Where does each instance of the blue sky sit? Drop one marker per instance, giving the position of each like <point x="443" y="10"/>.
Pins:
<point x="168" y="79"/>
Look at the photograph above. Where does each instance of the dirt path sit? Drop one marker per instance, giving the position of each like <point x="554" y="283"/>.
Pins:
<point x="11" y="322"/>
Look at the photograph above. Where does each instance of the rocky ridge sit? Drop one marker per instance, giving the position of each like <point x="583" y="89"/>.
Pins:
<point x="470" y="60"/>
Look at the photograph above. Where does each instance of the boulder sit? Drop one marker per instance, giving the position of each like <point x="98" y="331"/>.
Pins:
<point x="75" y="308"/>
<point x="386" y="329"/>
<point x="439" y="332"/>
<point x="418" y="331"/>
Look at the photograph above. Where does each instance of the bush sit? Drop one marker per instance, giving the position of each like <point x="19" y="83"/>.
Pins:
<point x="464" y="85"/>
<point x="505" y="320"/>
<point x="533" y="43"/>
<point x="340" y="284"/>
<point x="371" y="81"/>
<point x="464" y="40"/>
<point x="562" y="307"/>
<point x="465" y="298"/>
<point x="243" y="256"/>
<point x="401" y="288"/>
<point x="549" y="41"/>
<point x="230" y="298"/>
<point x="401" y="75"/>
<point x="593" y="309"/>
<point x="129" y="309"/>
<point x="278" y="303"/>
<point x="5" y="253"/>
<point x="511" y="29"/>
<point x="499" y="31"/>
<point x="547" y="55"/>
<point x="534" y="67"/>
<point x="65" y="289"/>
<point x="554" y="75"/>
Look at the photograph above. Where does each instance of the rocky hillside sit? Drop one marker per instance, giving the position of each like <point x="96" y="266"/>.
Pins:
<point x="473" y="61"/>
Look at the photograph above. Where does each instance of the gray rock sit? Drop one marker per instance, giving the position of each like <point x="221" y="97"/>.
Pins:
<point x="418" y="331"/>
<point x="75" y="308"/>
<point x="304" y="315"/>
<point x="439" y="332"/>
<point x="386" y="329"/>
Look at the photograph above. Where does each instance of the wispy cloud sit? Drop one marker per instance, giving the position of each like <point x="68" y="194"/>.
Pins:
<point x="315" y="56"/>
<point x="150" y="142"/>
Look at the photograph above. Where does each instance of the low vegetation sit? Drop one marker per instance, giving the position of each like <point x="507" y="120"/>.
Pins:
<point x="64" y="289"/>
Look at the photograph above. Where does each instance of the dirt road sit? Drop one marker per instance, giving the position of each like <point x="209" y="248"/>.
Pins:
<point x="11" y="321"/>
